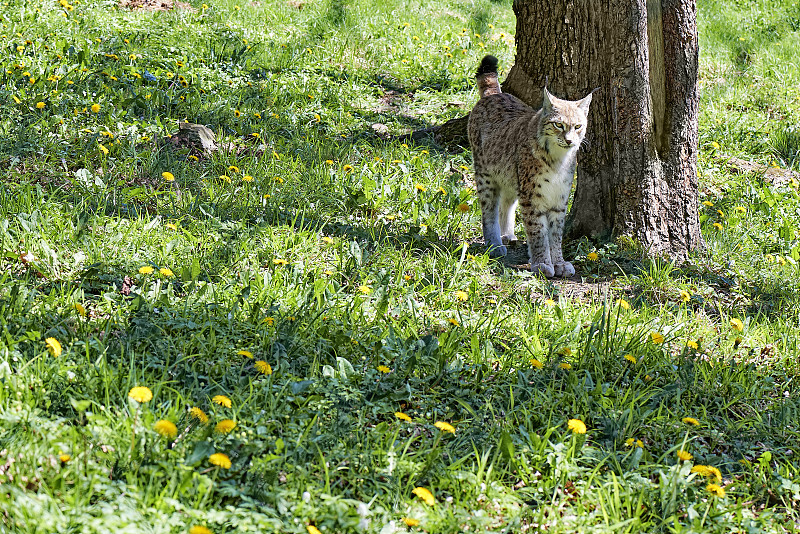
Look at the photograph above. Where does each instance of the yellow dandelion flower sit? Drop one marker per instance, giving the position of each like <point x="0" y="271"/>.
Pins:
<point x="200" y="529"/>
<point x="53" y="346"/>
<point x="565" y="366"/>
<point x="737" y="324"/>
<point x="708" y="203"/>
<point x="383" y="369"/>
<point x="536" y="363"/>
<point x="168" y="176"/>
<point x="623" y="304"/>
<point x="95" y="108"/>
<point x="328" y="240"/>
<point x="263" y="367"/>
<point x="424" y="494"/>
<point x="64" y="458"/>
<point x="715" y="145"/>
<point x="410" y="521"/>
<point x="364" y="289"/>
<point x="630" y="358"/>
<point x="102" y="148"/>
<point x="312" y="529"/>
<point x="692" y="345"/>
<point x="550" y="302"/>
<point x="233" y="168"/>
<point x="402" y="416"/>
<point x="683" y="455"/>
<point x="269" y="321"/>
<point x="166" y="271"/>
<point x="40" y="105"/>
<point x="197" y="413"/>
<point x="420" y="187"/>
<point x="740" y="209"/>
<point x="237" y="113"/>
<point x="691" y="421"/>
<point x="718" y="226"/>
<point x="577" y="426"/>
<point x="225" y="178"/>
<point x="656" y="338"/>
<point x="461" y="295"/>
<point x="247" y="178"/>
<point x="685" y="296"/>
<point x="245" y="353"/>
<point x="347" y="168"/>
<point x="566" y="351"/>
<point x="172" y="226"/>
<point x="80" y="309"/>
<point x="225" y="426"/>
<point x="222" y="400"/>
<point x="592" y="256"/>
<point x="279" y="261"/>
<point x="16" y="99"/>
<point x="146" y="269"/>
<point x="453" y="322"/>
<point x="716" y="489"/>
<point x="445" y="427"/>
<point x="140" y="394"/>
<point x="166" y="428"/>
<point x="220" y="460"/>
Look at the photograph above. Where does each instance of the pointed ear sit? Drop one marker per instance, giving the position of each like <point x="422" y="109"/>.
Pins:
<point x="585" y="101"/>
<point x="547" y="100"/>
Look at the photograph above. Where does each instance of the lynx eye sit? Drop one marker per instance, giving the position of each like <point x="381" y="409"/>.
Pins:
<point x="559" y="125"/>
<point x="578" y="126"/>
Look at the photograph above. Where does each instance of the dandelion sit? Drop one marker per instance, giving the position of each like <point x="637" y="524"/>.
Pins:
<point x="630" y="358"/>
<point x="146" y="269"/>
<point x="168" y="176"/>
<point x="716" y="489"/>
<point x="410" y="521"/>
<point x="564" y="366"/>
<point x="172" y="226"/>
<point x="312" y="529"/>
<point x="166" y="271"/>
<point x="237" y="113"/>
<point x="683" y="455"/>
<point x="550" y="303"/>
<point x="225" y="426"/>
<point x="691" y="421"/>
<point x="708" y="203"/>
<point x="708" y="472"/>
<point x="402" y="416"/>
<point x="740" y="209"/>
<point x="225" y="178"/>
<point x="222" y="400"/>
<point x="220" y="460"/>
<point x="536" y="363"/>
<point x="623" y="304"/>
<point x="383" y="369"/>
<point x="631" y="442"/>
<point x="279" y="261"/>
<point x="364" y="289"/>
<point x="461" y="295"/>
<point x="692" y="344"/>
<point x="269" y="321"/>
<point x="263" y="367"/>
<point x="64" y="458"/>
<point x="247" y="178"/>
<point x="463" y="207"/>
<point x="424" y="494"/>
<point x="577" y="426"/>
<point x="102" y="148"/>
<point x="685" y="296"/>
<point x="420" y="187"/>
<point x="328" y="162"/>
<point x="140" y="394"/>
<point x="347" y="168"/>
<point x="737" y="324"/>
<point x="445" y="427"/>
<point x="715" y="145"/>
<point x="592" y="256"/>
<point x="53" y="346"/>
<point x="718" y="226"/>
<point x="233" y="168"/>
<point x="245" y="353"/>
<point x="453" y="321"/>
<point x="656" y="338"/>
<point x="166" y="428"/>
<point x="200" y="529"/>
<point x="328" y="240"/>
<point x="197" y="413"/>
<point x="566" y="351"/>
<point x="40" y="105"/>
<point x="80" y="309"/>
<point x="95" y="108"/>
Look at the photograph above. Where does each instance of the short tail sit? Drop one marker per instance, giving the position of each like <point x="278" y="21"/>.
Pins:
<point x="486" y="77"/>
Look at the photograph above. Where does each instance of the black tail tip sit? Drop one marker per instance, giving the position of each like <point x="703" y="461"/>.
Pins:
<point x="488" y="64"/>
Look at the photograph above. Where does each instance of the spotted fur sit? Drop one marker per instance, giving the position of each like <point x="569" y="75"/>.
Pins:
<point x="527" y="157"/>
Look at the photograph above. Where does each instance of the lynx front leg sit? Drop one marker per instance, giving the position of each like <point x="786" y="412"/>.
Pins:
<point x="555" y="220"/>
<point x="488" y="194"/>
<point x="536" y="228"/>
<point x="508" y="209"/>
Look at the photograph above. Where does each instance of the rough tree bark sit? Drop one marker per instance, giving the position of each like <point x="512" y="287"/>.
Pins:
<point x="638" y="175"/>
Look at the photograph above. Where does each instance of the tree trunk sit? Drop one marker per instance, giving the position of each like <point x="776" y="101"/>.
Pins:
<point x="638" y="175"/>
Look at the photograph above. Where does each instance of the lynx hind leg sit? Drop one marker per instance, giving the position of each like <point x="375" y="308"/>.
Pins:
<point x="508" y="209"/>
<point x="489" y="197"/>
<point x="536" y="228"/>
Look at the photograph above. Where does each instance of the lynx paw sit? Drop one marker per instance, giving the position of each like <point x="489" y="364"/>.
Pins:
<point x="563" y="269"/>
<point x="497" y="251"/>
<point x="509" y="238"/>
<point x="544" y="268"/>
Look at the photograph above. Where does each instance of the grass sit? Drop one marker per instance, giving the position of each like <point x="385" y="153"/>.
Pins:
<point x="340" y="303"/>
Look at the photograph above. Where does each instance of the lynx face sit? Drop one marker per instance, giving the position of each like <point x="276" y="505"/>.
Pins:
<point x="563" y="123"/>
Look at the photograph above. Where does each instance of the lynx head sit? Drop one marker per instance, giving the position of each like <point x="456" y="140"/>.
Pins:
<point x="563" y="122"/>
